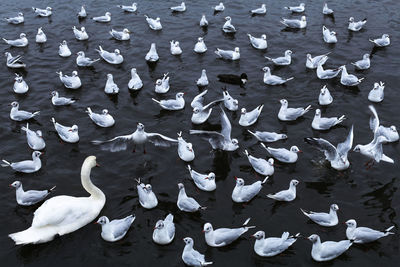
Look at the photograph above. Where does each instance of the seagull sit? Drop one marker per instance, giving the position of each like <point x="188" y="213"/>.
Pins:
<point x="228" y="27"/>
<point x="312" y="62"/>
<point x="282" y="154"/>
<point x="83" y="61"/>
<point x="286" y="195"/>
<point x="259" y="11"/>
<point x="112" y="58"/>
<point x="103" y="120"/>
<point x="175" y="49"/>
<point x="268" y="137"/>
<point x="220" y="7"/>
<point x="220" y="140"/>
<point x="20" y="86"/>
<point x="329" y="36"/>
<point x="42" y="12"/>
<point x="205" y="182"/>
<point x="185" y="149"/>
<point x="244" y="193"/>
<point x="295" y="23"/>
<point x="224" y="236"/>
<point x="327" y="250"/>
<point x="135" y="83"/>
<point x="22" y="41"/>
<point x="123" y="35"/>
<point x="111" y="87"/>
<point x="249" y="118"/>
<point x="362" y="235"/>
<point x="364" y="63"/>
<point x="40" y="36"/>
<point x="349" y="79"/>
<point x="185" y="203"/>
<point x="71" y="82"/>
<point x="34" y="138"/>
<point x="320" y="123"/>
<point x="282" y="61"/>
<point x="389" y="132"/>
<point x="67" y="134"/>
<point x="325" y="98"/>
<point x="260" y="165"/>
<point x="296" y="9"/>
<point x="322" y="218"/>
<point x="154" y="24"/>
<point x="203" y="21"/>
<point x="172" y="104"/>
<point x="63" y="49"/>
<point x="356" y="26"/>
<point x="200" y="47"/>
<point x="270" y="79"/>
<point x="105" y="18"/>
<point x="147" y="198"/>
<point x="57" y="100"/>
<point x="180" y="8"/>
<point x="326" y="10"/>
<point x="381" y="42"/>
<point x="327" y="73"/>
<point x="291" y="114"/>
<point x="16" y="20"/>
<point x="337" y="156"/>
<point x="374" y="149"/>
<point x="82" y="13"/>
<point x="233" y="79"/>
<point x="229" y="102"/>
<point x="152" y="55"/>
<point x="203" y="80"/>
<point x="14" y="62"/>
<point x="138" y="137"/>
<point x="228" y="54"/>
<point x="131" y="8"/>
<point x="26" y="166"/>
<point x="202" y="112"/>
<point x="192" y="257"/>
<point x="116" y="229"/>
<point x="272" y="246"/>
<point x="164" y="231"/>
<point x="20" y="115"/>
<point x="30" y="197"/>
<point x="162" y="85"/>
<point x="258" y="43"/>
<point x="80" y="35"/>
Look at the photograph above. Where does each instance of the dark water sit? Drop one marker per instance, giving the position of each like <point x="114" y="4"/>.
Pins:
<point x="369" y="196"/>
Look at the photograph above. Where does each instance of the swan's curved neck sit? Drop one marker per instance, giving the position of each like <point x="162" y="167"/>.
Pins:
<point x="94" y="191"/>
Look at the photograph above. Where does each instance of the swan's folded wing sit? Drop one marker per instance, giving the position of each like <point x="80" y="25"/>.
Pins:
<point x="344" y="148"/>
<point x="324" y="146"/>
<point x="116" y="144"/>
<point x="160" y="140"/>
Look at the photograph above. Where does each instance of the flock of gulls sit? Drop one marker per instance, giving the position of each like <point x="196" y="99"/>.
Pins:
<point x="64" y="214"/>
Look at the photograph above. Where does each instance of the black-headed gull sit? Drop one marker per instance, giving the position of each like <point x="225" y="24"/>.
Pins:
<point x="34" y="138"/>
<point x="296" y="9"/>
<point x="268" y="137"/>
<point x="282" y="154"/>
<point x="16" y="20"/>
<point x="282" y="61"/>
<point x="325" y="74"/>
<point x="111" y="57"/>
<point x="22" y="41"/>
<point x="312" y="62"/>
<point x="83" y="61"/>
<point x="205" y="182"/>
<point x="291" y="114"/>
<point x="131" y="8"/>
<point x="185" y="149"/>
<point x="81" y="34"/>
<point x="58" y="100"/>
<point x="164" y="231"/>
<point x="260" y="165"/>
<point x="203" y="21"/>
<point x="364" y="63"/>
<point x="192" y="257"/>
<point x="272" y="246"/>
<point x="228" y="54"/>
<point x="220" y="7"/>
<point x="103" y="120"/>
<point x="356" y="26"/>
<point x="14" y="62"/>
<point x="103" y="19"/>
<point x="377" y="93"/>
<point x="152" y="55"/>
<point x="336" y="156"/>
<point x="20" y="86"/>
<point x="200" y="47"/>
<point x="42" y="12"/>
<point x="327" y="250"/>
<point x="20" y="115"/>
<point x="172" y="104"/>
<point x="248" y="118"/>
<point x="162" y="85"/>
<point x="229" y="102"/>
<point x="138" y="137"/>
<point x="273" y="79"/>
<point x="295" y="23"/>
<point x="180" y="8"/>
<point x="154" y="24"/>
<point x="175" y="49"/>
<point x="203" y="80"/>
<point x="259" y="11"/>
<point x="321" y="123"/>
<point x="258" y="43"/>
<point x="40" y="36"/>
<point x="185" y="203"/>
<point x="82" y="13"/>
<point x="147" y="198"/>
<point x="381" y="42"/>
<point x="63" y="49"/>
<point x="323" y="218"/>
<point x="123" y="35"/>
<point x="326" y="10"/>
<point x="135" y="83"/>
<point x="325" y="98"/>
<point x="70" y="82"/>
<point x="349" y="79"/>
<point x="328" y="35"/>
<point x="286" y="195"/>
<point x="224" y="236"/>
<point x="115" y="230"/>
<point x="244" y="193"/>
<point x="25" y="166"/>
<point x="111" y="87"/>
<point x="362" y="235"/>
<point x="67" y="134"/>
<point x="30" y="197"/>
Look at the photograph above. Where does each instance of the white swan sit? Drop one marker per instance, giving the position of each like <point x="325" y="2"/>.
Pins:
<point x="61" y="215"/>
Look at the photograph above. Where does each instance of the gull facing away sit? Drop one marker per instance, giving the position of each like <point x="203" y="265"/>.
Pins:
<point x="291" y="114"/>
<point x="364" y="63"/>
<point x="325" y="98"/>
<point x="377" y="93"/>
<point x="58" y="100"/>
<point x="21" y="115"/>
<point x="228" y="54"/>
<point x="282" y="154"/>
<point x="327" y="250"/>
<point x="296" y="9"/>
<point x="22" y="41"/>
<point x="224" y="236"/>
<point x="81" y="34"/>
<point x="286" y="195"/>
<point x="326" y="10"/>
<point x="203" y="21"/>
<point x="192" y="257"/>
<point x="258" y="43"/>
<point x="229" y="102"/>
<point x="185" y="203"/>
<point x="154" y="24"/>
<point x="111" y="87"/>
<point x="67" y="134"/>
<point x="356" y="26"/>
<point x="203" y="80"/>
<point x="70" y="82"/>
<point x="381" y="42"/>
<point x="103" y="120"/>
<point x="42" y="12"/>
<point x="103" y="19"/>
<point x="205" y="182"/>
<point x="322" y="218"/>
<point x="312" y="62"/>
<point x="131" y="8"/>
<point x="260" y="165"/>
<point x="115" y="230"/>
<point x="152" y="55"/>
<point x="139" y="137"/>
<point x="251" y="117"/>
<point x="34" y="138"/>
<point x="83" y="61"/>
<point x="362" y="235"/>
<point x="175" y="49"/>
<point x="220" y="7"/>
<point x="329" y="36"/>
<point x="40" y="36"/>
<point x="112" y="58"/>
<point x="147" y="198"/>
<point x="336" y="156"/>
<point x="320" y="123"/>
<point x="30" y="197"/>
<point x="82" y="13"/>
<point x="268" y="137"/>
<point x="25" y="166"/>
<point x="185" y="149"/>
<point x="349" y="79"/>
<point x="245" y="193"/>
<point x="14" y="62"/>
<point x="295" y="23"/>
<point x="135" y="83"/>
<point x="272" y="246"/>
<point x="273" y="79"/>
<point x="282" y="61"/>
<point x="164" y="231"/>
<point x="16" y="20"/>
<point x="63" y="49"/>
<point x="172" y="104"/>
<point x="200" y="47"/>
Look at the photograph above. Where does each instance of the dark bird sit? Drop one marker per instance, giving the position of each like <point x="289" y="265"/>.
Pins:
<point x="233" y="79"/>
